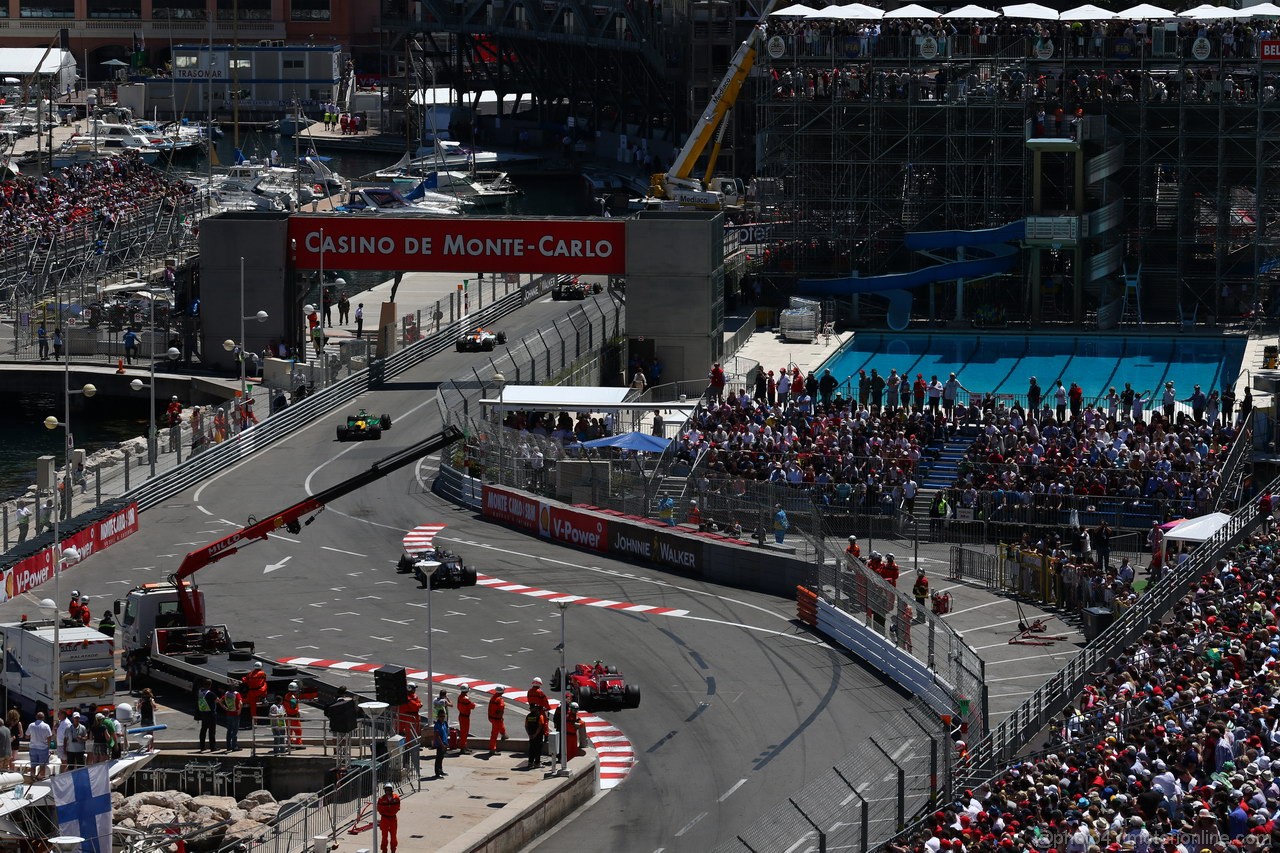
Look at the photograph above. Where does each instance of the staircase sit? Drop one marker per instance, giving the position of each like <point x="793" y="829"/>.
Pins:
<point x="671" y="486"/>
<point x="941" y="471"/>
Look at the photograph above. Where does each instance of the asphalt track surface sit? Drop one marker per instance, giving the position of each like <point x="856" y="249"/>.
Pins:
<point x="740" y="707"/>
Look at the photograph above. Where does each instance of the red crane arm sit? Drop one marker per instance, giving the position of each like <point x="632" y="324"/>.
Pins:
<point x="291" y="518"/>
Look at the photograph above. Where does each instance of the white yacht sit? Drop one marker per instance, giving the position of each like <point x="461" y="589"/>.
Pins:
<point x="381" y="200"/>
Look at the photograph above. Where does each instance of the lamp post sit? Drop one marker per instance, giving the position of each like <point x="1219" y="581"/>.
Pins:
<point x="70" y="554"/>
<point x="564" y="702"/>
<point x="375" y="710"/>
<point x="500" y="381"/>
<point x="173" y="353"/>
<point x="261" y="317"/>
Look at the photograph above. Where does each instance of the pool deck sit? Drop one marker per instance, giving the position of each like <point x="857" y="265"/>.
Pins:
<point x="768" y="348"/>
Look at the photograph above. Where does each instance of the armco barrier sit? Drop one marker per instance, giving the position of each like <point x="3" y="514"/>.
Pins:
<point x="852" y="635"/>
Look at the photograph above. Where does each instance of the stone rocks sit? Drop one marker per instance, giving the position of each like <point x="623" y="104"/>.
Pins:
<point x="244" y="820"/>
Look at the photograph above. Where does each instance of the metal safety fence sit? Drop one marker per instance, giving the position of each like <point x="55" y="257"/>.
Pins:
<point x="864" y="798"/>
<point x="908" y="624"/>
<point x="177" y="476"/>
<point x="553" y="356"/>
<point x="990" y="755"/>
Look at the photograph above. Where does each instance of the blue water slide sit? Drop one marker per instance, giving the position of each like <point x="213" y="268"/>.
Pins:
<point x="998" y="256"/>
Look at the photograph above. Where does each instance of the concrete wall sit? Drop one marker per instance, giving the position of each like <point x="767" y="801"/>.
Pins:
<point x="675" y="291"/>
<point x="261" y="238"/>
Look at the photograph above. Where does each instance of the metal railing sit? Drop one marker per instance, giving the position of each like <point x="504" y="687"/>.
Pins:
<point x="283" y="423"/>
<point x="866" y="797"/>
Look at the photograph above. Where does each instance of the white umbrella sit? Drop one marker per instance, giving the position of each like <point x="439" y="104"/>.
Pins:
<point x="799" y="10"/>
<point x="1034" y="11"/>
<point x="911" y="10"/>
<point x="1087" y="12"/>
<point x="972" y="13"/>
<point x="852" y="12"/>
<point x="1262" y="10"/>
<point x="1145" y="12"/>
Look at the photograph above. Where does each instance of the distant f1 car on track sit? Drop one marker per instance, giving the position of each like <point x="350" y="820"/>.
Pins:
<point x="596" y="686"/>
<point x="571" y="288"/>
<point x="364" y="427"/>
<point x="480" y="340"/>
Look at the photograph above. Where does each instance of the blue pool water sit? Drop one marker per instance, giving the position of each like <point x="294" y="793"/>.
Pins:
<point x="1003" y="364"/>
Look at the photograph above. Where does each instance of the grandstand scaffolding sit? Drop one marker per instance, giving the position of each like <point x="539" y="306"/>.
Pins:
<point x="1149" y="159"/>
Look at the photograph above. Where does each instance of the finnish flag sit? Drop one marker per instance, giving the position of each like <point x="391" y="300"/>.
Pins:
<point x="83" y="800"/>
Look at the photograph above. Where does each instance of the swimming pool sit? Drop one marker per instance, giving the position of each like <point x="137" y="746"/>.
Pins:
<point x="1003" y="364"/>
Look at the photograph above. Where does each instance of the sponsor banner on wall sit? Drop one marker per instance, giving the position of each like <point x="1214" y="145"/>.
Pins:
<point x="630" y="542"/>
<point x="512" y="507"/>
<point x="459" y="244"/>
<point x="574" y="527"/>
<point x="38" y="568"/>
<point x="678" y="552"/>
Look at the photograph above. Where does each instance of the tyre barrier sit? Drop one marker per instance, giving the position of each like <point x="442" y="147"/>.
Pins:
<point x="807" y="606"/>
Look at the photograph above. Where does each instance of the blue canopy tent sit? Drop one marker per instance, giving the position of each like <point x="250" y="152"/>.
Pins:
<point x="631" y="441"/>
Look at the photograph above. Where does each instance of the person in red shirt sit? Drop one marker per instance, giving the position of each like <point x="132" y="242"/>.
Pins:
<point x="409" y="718"/>
<point x="388" y="814"/>
<point x="255" y="684"/>
<point x="853" y="550"/>
<point x="890" y="570"/>
<point x="465" y="707"/>
<point x="75" y="607"/>
<point x="497" y="719"/>
<point x="536" y="698"/>
<point x="86" y="614"/>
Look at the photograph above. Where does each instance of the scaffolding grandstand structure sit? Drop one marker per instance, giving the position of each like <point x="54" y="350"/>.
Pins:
<point x="1144" y="176"/>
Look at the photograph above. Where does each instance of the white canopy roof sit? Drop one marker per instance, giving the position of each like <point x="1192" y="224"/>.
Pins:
<point x="580" y="398"/>
<point x="799" y="10"/>
<point x="1197" y="529"/>
<point x="1206" y="12"/>
<point x="851" y="12"/>
<point x="1261" y="10"/>
<point x="860" y="12"/>
<point x="1034" y="11"/>
<point x="1145" y="12"/>
<point x="972" y="12"/>
<point x="1087" y="12"/>
<point x="912" y="10"/>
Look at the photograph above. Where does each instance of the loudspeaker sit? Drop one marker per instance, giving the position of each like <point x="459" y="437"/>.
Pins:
<point x="390" y="685"/>
<point x="342" y="716"/>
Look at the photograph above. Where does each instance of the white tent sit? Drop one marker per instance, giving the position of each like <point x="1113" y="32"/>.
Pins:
<point x="799" y="10"/>
<point x="972" y="12"/>
<point x="22" y="62"/>
<point x="1197" y="530"/>
<point x="1206" y="12"/>
<point x="1261" y="10"/>
<point x="1145" y="12"/>
<point x="1087" y="12"/>
<point x="912" y="10"/>
<point x="851" y="12"/>
<point x="1033" y="11"/>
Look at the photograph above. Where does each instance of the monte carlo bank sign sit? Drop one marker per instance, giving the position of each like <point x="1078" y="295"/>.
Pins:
<point x="419" y="244"/>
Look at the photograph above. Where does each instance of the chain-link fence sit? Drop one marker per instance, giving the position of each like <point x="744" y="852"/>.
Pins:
<point x="866" y="797"/>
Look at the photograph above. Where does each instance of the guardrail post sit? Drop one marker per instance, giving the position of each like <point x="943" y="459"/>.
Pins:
<point x="126" y="471"/>
<point x="864" y="823"/>
<point x="902" y="784"/>
<point x="822" y="836"/>
<point x="97" y="484"/>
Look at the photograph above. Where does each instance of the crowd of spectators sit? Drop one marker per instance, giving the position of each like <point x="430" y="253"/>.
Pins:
<point x="861" y="62"/>
<point x="101" y="192"/>
<point x="1165" y="462"/>
<point x="1171" y="748"/>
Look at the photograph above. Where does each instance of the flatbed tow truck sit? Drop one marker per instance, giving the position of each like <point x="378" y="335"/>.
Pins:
<point x="164" y="634"/>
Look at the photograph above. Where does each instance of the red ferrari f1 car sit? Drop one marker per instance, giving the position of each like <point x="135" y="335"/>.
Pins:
<point x="596" y="686"/>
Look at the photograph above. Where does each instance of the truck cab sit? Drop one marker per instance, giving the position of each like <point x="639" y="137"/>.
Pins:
<point x="147" y="607"/>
